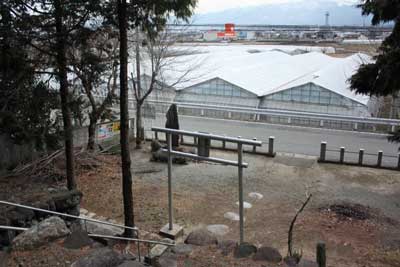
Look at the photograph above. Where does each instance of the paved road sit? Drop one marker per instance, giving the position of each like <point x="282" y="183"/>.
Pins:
<point x="292" y="139"/>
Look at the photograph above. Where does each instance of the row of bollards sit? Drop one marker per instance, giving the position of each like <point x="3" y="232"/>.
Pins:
<point x="361" y="153"/>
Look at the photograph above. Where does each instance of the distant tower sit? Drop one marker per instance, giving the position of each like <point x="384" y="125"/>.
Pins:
<point x="327" y="18"/>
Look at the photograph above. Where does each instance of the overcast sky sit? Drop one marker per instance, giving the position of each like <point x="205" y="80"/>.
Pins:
<point x="205" y="6"/>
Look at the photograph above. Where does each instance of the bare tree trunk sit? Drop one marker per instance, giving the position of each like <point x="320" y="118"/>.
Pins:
<point x="92" y="133"/>
<point x="66" y="112"/>
<point x="125" y="151"/>
<point x="139" y="125"/>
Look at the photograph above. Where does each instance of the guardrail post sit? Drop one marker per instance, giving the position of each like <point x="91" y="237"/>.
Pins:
<point x="254" y="147"/>
<point x="229" y="115"/>
<point x="342" y="150"/>
<point x="181" y="138"/>
<point x="271" y="145"/>
<point x="393" y="128"/>
<point x="195" y="140"/>
<point x="289" y="120"/>
<point x="321" y="123"/>
<point x="223" y="144"/>
<point x="356" y="126"/>
<point x="202" y="112"/>
<point x="361" y="157"/>
<point x="322" y="155"/>
<point x="380" y="156"/>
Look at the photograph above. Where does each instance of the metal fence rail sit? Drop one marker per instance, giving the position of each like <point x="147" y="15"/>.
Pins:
<point x="135" y="229"/>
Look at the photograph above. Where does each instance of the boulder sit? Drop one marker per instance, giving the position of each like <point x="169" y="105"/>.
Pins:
<point x="246" y="205"/>
<point x="182" y="249"/>
<point x="201" y="237"/>
<point x="268" y="254"/>
<point x="132" y="264"/>
<point x="232" y="216"/>
<point x="78" y="239"/>
<point x="255" y="195"/>
<point x="102" y="257"/>
<point x="218" y="229"/>
<point x="244" y="250"/>
<point x="307" y="263"/>
<point x="167" y="260"/>
<point x="46" y="231"/>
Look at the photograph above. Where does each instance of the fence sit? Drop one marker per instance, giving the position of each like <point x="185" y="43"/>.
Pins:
<point x="316" y="120"/>
<point x="358" y="158"/>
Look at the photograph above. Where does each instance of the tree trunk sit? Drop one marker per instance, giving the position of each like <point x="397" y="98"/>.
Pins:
<point x="66" y="112"/>
<point x="139" y="125"/>
<point x="125" y="151"/>
<point x="92" y="133"/>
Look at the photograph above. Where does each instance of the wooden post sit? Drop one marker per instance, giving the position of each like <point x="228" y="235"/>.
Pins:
<point x="321" y="254"/>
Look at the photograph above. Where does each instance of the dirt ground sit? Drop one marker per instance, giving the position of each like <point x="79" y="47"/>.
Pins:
<point x="203" y="192"/>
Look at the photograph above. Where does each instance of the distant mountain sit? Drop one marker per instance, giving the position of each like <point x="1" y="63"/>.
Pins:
<point x="297" y="13"/>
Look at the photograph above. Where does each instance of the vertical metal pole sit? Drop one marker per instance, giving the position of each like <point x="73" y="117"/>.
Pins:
<point x="361" y="157"/>
<point x="322" y="155"/>
<point x="342" y="150"/>
<point x="254" y="147"/>
<point x="380" y="156"/>
<point x="169" y="142"/>
<point x="240" y="172"/>
<point x="271" y="145"/>
<point x="156" y="135"/>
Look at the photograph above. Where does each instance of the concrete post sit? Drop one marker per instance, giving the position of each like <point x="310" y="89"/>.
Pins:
<point x="361" y="157"/>
<point x="229" y="115"/>
<point x="321" y="123"/>
<point x="271" y="145"/>
<point x="254" y="147"/>
<point x="289" y="120"/>
<point x="322" y="156"/>
<point x="393" y="128"/>
<point x="202" y="112"/>
<point x="356" y="126"/>
<point x="380" y="156"/>
<point x="342" y="150"/>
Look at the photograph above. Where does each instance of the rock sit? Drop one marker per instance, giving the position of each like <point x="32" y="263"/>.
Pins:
<point x="201" y="237"/>
<point x="255" y="196"/>
<point x="268" y="254"/>
<point x="156" y="252"/>
<point x="66" y="200"/>
<point x="46" y="231"/>
<point x="167" y="260"/>
<point x="101" y="229"/>
<point x="226" y="246"/>
<point x="84" y="211"/>
<point x="290" y="261"/>
<point x="155" y="145"/>
<point x="244" y="250"/>
<point x="182" y="249"/>
<point x="78" y="239"/>
<point x="232" y="216"/>
<point x="246" y="205"/>
<point x="132" y="264"/>
<point x="3" y="258"/>
<point x="218" y="229"/>
<point x="103" y="257"/>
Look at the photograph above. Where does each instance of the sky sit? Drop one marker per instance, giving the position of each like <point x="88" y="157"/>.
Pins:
<point x="206" y="6"/>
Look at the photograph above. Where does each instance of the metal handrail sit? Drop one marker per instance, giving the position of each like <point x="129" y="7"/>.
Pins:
<point x="69" y="215"/>
<point x="208" y="136"/>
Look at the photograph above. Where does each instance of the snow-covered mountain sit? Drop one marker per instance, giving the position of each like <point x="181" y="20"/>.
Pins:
<point x="303" y="12"/>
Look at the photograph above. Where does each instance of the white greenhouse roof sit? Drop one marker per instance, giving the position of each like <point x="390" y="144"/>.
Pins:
<point x="265" y="72"/>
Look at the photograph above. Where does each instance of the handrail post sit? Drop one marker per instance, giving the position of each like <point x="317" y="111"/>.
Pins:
<point x="342" y="151"/>
<point x="321" y="254"/>
<point x="380" y="156"/>
<point x="169" y="142"/>
<point x="322" y="155"/>
<point x="254" y="147"/>
<point x="361" y="157"/>
<point x="240" y="172"/>
<point x="271" y="145"/>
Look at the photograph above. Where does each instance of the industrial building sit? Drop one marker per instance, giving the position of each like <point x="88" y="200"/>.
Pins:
<point x="267" y="77"/>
